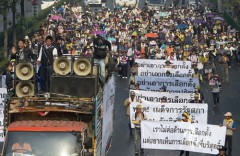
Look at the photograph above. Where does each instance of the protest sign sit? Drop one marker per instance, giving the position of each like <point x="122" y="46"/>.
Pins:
<point x="173" y="85"/>
<point x="171" y="112"/>
<point x="187" y="136"/>
<point x="156" y="96"/>
<point x="3" y="94"/>
<point x="108" y="106"/>
<point x="148" y="63"/>
<point x="164" y="72"/>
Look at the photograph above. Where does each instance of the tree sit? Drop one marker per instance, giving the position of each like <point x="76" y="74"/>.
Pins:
<point x="13" y="8"/>
<point x="5" y="28"/>
<point x="22" y="14"/>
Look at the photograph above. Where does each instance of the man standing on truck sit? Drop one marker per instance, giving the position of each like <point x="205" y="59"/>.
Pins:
<point x="100" y="53"/>
<point x="45" y="58"/>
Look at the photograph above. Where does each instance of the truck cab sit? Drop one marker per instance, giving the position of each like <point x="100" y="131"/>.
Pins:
<point x="40" y="126"/>
<point x="30" y="138"/>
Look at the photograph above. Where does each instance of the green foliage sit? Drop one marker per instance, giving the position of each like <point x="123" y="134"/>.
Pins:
<point x="230" y="20"/>
<point x="214" y="2"/>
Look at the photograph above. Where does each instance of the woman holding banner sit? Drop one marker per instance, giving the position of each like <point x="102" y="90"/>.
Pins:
<point x="185" y="118"/>
<point x="137" y="118"/>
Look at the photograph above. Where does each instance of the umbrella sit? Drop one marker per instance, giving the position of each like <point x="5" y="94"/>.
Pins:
<point x="98" y="32"/>
<point x="182" y="26"/>
<point x="210" y="14"/>
<point x="199" y="21"/>
<point x="151" y="35"/>
<point x="56" y="17"/>
<point x="218" y="18"/>
<point x="117" y="8"/>
<point x="135" y="33"/>
<point x="111" y="39"/>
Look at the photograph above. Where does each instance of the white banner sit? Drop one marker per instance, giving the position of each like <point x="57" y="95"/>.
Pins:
<point x="164" y="72"/>
<point x="194" y="137"/>
<point x="3" y="95"/>
<point x="148" y="63"/>
<point x="171" y="112"/>
<point x="173" y="85"/>
<point x="108" y="106"/>
<point x="156" y="96"/>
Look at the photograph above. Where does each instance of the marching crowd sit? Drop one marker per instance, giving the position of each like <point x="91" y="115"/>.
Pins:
<point x="169" y="33"/>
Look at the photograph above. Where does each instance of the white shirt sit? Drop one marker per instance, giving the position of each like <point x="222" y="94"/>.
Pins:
<point x="40" y="53"/>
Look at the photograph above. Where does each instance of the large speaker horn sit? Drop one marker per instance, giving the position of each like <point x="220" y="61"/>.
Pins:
<point x="82" y="67"/>
<point x="62" y="66"/>
<point x="24" y="89"/>
<point x="24" y="71"/>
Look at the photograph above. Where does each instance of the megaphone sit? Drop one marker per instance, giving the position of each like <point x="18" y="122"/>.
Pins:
<point x="24" y="71"/>
<point x="24" y="89"/>
<point x="82" y="67"/>
<point x="62" y="66"/>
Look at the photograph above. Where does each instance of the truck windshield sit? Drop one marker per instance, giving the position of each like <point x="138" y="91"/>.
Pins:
<point x="155" y="1"/>
<point x="42" y="144"/>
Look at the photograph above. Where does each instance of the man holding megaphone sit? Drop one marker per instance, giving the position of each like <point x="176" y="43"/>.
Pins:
<point x="100" y="53"/>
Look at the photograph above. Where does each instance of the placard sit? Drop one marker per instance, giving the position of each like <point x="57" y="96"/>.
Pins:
<point x="152" y="96"/>
<point x="171" y="112"/>
<point x="161" y="64"/>
<point x="173" y="85"/>
<point x="194" y="137"/>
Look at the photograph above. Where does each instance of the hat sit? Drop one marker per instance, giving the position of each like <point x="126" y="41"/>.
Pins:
<point x="26" y="38"/>
<point x="164" y="98"/>
<point x="228" y="114"/>
<point x="168" y="62"/>
<point x="223" y="148"/>
<point x="215" y="75"/>
<point x="196" y="95"/>
<point x="132" y="93"/>
<point x="139" y="107"/>
<point x="185" y="114"/>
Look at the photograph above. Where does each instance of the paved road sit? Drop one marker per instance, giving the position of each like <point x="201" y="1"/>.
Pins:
<point x="122" y="143"/>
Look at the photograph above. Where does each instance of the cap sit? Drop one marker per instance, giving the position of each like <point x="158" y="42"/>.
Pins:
<point x="223" y="148"/>
<point x="228" y="114"/>
<point x="139" y="107"/>
<point x="132" y="93"/>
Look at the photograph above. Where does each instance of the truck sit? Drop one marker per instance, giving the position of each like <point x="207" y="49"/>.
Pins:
<point x="126" y="3"/>
<point x="93" y="3"/>
<point x="155" y="4"/>
<point x="55" y="125"/>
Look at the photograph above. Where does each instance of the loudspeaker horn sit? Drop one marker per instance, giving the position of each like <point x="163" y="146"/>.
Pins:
<point x="82" y="67"/>
<point x="24" y="89"/>
<point x="62" y="66"/>
<point x="24" y="71"/>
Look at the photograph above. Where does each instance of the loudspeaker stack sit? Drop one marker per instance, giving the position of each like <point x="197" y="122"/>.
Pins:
<point x="25" y="79"/>
<point x="74" y="76"/>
